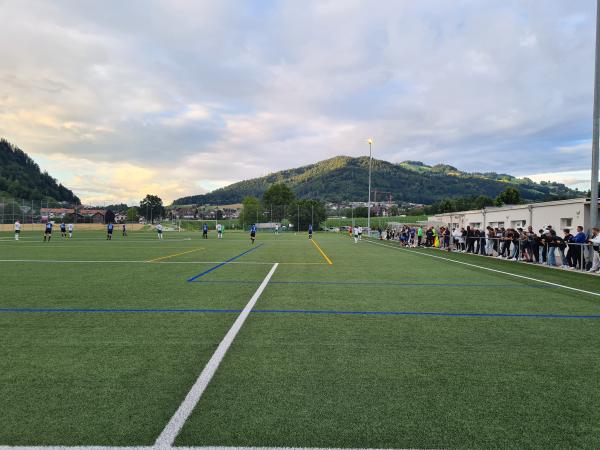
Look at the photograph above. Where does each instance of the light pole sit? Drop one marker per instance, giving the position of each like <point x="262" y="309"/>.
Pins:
<point x="370" y="141"/>
<point x="596" y="128"/>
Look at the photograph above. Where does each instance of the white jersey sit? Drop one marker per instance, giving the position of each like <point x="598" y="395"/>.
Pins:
<point x="219" y="228"/>
<point x="355" y="231"/>
<point x="70" y="226"/>
<point x="17" y="226"/>
<point x="159" y="228"/>
<point x="359" y="230"/>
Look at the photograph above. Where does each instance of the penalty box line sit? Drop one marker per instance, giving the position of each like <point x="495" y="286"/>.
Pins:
<point x="170" y="432"/>
<point x="329" y="261"/>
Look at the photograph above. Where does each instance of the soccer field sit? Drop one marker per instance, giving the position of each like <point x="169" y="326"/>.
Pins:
<point x="348" y="345"/>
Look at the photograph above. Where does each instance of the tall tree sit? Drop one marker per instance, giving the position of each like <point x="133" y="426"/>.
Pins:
<point x="482" y="201"/>
<point x="305" y="212"/>
<point x="277" y="199"/>
<point x="132" y="214"/>
<point x="250" y="212"/>
<point x="151" y="207"/>
<point x="510" y="196"/>
<point x="109" y="216"/>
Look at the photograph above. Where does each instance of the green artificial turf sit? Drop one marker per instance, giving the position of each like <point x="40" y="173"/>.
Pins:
<point x="292" y="377"/>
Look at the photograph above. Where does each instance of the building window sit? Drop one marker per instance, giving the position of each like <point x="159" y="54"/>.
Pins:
<point x="517" y="223"/>
<point x="566" y="222"/>
<point x="475" y="224"/>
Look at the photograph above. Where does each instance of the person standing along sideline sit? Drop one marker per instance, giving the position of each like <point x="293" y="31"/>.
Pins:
<point x="70" y="228"/>
<point x="578" y="241"/>
<point x="124" y="230"/>
<point x="447" y="239"/>
<point x="310" y="230"/>
<point x="219" y="231"/>
<point x="595" y="241"/>
<point x="253" y="234"/>
<point x="489" y="244"/>
<point x="159" y="230"/>
<point x="419" y="236"/>
<point x="109" y="231"/>
<point x="276" y="228"/>
<point x="204" y="231"/>
<point x="48" y="231"/>
<point x="63" y="230"/>
<point x="17" y="230"/>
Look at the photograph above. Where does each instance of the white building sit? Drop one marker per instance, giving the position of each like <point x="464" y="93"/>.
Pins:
<point x="560" y="214"/>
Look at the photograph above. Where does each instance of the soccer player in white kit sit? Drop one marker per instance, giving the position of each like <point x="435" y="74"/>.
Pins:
<point x="355" y="231"/>
<point x="276" y="228"/>
<point x="360" y="233"/>
<point x="17" y="230"/>
<point x="70" y="228"/>
<point x="159" y="230"/>
<point x="219" y="231"/>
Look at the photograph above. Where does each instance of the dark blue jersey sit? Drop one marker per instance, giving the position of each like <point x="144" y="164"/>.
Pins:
<point x="110" y="227"/>
<point x="49" y="226"/>
<point x="205" y="228"/>
<point x="63" y="227"/>
<point x="253" y="229"/>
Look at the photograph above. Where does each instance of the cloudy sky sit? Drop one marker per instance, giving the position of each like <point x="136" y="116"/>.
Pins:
<point x="122" y="98"/>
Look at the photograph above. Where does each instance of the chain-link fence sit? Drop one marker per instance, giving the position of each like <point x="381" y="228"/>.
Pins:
<point x="296" y="216"/>
<point x="32" y="213"/>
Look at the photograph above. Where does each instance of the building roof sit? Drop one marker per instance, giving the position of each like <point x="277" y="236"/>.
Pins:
<point x="580" y="200"/>
<point x="92" y="212"/>
<point x="57" y="210"/>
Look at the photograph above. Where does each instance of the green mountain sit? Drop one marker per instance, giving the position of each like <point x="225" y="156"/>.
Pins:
<point x="343" y="178"/>
<point x="21" y="178"/>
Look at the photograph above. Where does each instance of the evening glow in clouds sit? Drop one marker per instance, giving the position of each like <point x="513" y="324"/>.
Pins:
<point x="120" y="99"/>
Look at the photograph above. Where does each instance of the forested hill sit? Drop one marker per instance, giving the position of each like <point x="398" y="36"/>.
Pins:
<point x="343" y="178"/>
<point x="21" y="177"/>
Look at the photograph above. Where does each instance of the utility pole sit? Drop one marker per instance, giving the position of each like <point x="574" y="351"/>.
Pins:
<point x="370" y="141"/>
<point x="596" y="127"/>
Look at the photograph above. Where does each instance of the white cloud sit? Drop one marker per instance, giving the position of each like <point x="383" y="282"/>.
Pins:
<point x="208" y="93"/>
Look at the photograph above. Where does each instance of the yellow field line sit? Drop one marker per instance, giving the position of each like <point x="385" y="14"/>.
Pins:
<point x="329" y="261"/>
<point x="175" y="254"/>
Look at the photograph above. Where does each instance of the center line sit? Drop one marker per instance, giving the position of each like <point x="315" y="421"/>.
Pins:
<point x="168" y="435"/>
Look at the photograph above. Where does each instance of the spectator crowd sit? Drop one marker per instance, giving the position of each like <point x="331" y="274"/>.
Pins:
<point x="565" y="249"/>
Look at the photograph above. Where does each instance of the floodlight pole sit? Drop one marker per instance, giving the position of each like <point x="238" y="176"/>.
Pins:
<point x="370" y="141"/>
<point x="596" y="127"/>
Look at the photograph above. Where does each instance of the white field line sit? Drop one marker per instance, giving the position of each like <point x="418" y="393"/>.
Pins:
<point x="179" y="448"/>
<point x="170" y="432"/>
<point x="117" y="239"/>
<point x="67" y="261"/>
<point x="487" y="268"/>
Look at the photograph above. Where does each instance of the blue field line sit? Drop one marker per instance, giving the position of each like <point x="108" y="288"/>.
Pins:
<point x="301" y="311"/>
<point x="386" y="283"/>
<point x="223" y="263"/>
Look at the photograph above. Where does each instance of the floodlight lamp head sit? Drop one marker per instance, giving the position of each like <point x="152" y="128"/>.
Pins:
<point x="370" y="141"/>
